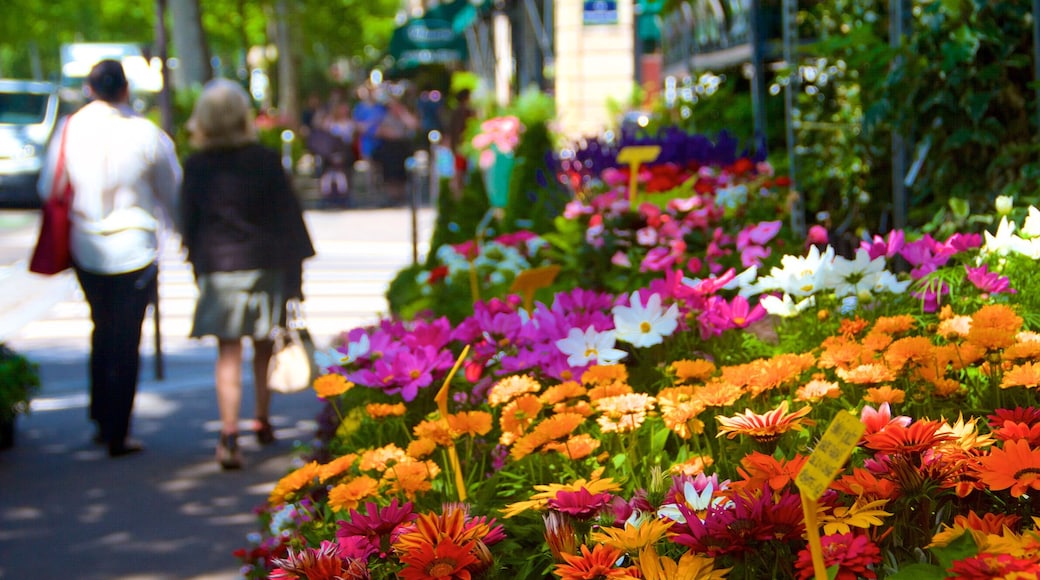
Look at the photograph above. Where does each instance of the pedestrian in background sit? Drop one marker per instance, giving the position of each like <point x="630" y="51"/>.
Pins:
<point x="246" y="239"/>
<point x="125" y="176"/>
<point x="396" y="134"/>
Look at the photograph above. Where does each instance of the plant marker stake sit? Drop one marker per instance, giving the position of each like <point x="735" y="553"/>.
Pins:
<point x="442" y="406"/>
<point x="819" y="471"/>
<point x="635" y="156"/>
<point x="529" y="281"/>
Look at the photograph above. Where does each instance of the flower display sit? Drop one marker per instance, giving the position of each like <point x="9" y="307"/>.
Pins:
<point x="651" y="419"/>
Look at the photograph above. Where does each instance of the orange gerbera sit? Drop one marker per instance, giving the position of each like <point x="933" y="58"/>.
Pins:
<point x="510" y="388"/>
<point x="575" y="447"/>
<point x="867" y="374"/>
<point x="817" y="389"/>
<point x="692" y="370"/>
<point x="331" y="385"/>
<point x="436" y="431"/>
<point x="693" y="466"/>
<point x="718" y="394"/>
<point x="759" y="469"/>
<point x="562" y="392"/>
<point x="894" y="324"/>
<point x="1016" y="466"/>
<point x="384" y="410"/>
<point x="884" y="394"/>
<point x="517" y="416"/>
<point x="420" y="448"/>
<point x="763" y="428"/>
<point x="350" y="494"/>
<point x="908" y="350"/>
<point x="1022" y="350"/>
<point x="994" y="327"/>
<point x="862" y="483"/>
<point x="1023" y="375"/>
<point x="898" y="439"/>
<point x="293" y="482"/>
<point x="445" y="559"/>
<point x="411" y="477"/>
<point x="551" y="429"/>
<point x="381" y="458"/>
<point x="766" y="374"/>
<point x="431" y="528"/>
<point x="472" y="423"/>
<point x="605" y="374"/>
<point x="850" y="327"/>
<point x="598" y="563"/>
<point x="336" y="467"/>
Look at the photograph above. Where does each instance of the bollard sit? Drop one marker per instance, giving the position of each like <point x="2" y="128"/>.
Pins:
<point x="287" y="140"/>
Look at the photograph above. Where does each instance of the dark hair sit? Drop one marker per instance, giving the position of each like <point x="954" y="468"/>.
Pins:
<point x="107" y="80"/>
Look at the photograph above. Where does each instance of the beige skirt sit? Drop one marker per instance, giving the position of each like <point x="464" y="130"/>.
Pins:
<point x="232" y="305"/>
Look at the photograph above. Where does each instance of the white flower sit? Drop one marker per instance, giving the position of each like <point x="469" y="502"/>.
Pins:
<point x="850" y="277"/>
<point x="643" y="326"/>
<point x="799" y="276"/>
<point x="785" y="307"/>
<point x="333" y="357"/>
<point x="886" y="281"/>
<point x="1031" y="227"/>
<point x="590" y="346"/>
<point x="1005" y="241"/>
<point x="1004" y="204"/>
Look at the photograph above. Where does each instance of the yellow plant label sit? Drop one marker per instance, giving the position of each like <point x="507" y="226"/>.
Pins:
<point x="830" y="455"/>
<point x="634" y="156"/>
<point x="530" y="281"/>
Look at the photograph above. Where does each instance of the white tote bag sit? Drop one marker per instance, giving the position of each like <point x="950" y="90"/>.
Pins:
<point x="292" y="368"/>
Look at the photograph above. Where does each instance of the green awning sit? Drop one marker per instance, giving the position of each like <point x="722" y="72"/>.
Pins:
<point x="427" y="40"/>
<point x="647" y="23"/>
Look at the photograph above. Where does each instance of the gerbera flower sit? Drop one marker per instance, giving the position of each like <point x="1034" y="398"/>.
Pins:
<point x="1024" y="375"/>
<point x="579" y="504"/>
<point x="331" y="385"/>
<point x="884" y="394"/>
<point x="510" y="388"/>
<point x="897" y="439"/>
<point x="1015" y="466"/>
<point x="759" y="469"/>
<point x="347" y="496"/>
<point x="645" y="325"/>
<point x="560" y="535"/>
<point x="538" y="501"/>
<point x="692" y="370"/>
<point x="576" y="447"/>
<point x="854" y="555"/>
<point x="590" y="346"/>
<point x="689" y="567"/>
<point x="384" y="410"/>
<point x="1028" y="415"/>
<point x="763" y="428"/>
<point x="633" y="537"/>
<point x="596" y="564"/>
<point x="985" y="566"/>
<point x="1011" y="431"/>
<point x="322" y="563"/>
<point x="876" y="420"/>
<point x="376" y="524"/>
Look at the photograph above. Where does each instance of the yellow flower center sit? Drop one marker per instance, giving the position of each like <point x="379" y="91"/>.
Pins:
<point x="440" y="567"/>
<point x="645" y="327"/>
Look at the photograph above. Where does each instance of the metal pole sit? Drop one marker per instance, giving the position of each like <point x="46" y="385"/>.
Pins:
<point x="758" y="81"/>
<point x="790" y="8"/>
<point x="166" y="119"/>
<point x="413" y="204"/>
<point x="899" y="203"/>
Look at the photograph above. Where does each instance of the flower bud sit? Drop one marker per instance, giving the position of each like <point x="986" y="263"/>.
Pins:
<point x="1004" y="204"/>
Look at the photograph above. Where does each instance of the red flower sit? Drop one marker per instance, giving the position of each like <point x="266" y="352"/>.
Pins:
<point x="985" y="566"/>
<point x="445" y="560"/>
<point x="437" y="274"/>
<point x="580" y="504"/>
<point x="854" y="555"/>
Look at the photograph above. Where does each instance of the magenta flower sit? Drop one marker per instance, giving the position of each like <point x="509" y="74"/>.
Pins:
<point x="889" y="246"/>
<point x="989" y="282"/>
<point x="758" y="235"/>
<point x="720" y="316"/>
<point x="581" y="504"/>
<point x="375" y="526"/>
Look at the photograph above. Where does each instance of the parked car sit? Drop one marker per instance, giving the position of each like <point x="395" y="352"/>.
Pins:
<point x="29" y="111"/>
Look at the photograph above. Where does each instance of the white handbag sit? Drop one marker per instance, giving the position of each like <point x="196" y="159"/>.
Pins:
<point x="292" y="368"/>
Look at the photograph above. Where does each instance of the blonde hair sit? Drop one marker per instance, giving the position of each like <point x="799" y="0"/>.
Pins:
<point x="223" y="116"/>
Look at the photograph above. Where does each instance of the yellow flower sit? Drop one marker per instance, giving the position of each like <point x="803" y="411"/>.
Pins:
<point x="293" y="482"/>
<point x="689" y="567"/>
<point x="331" y="385"/>
<point x="348" y="495"/>
<point x="546" y="492"/>
<point x="336" y="467"/>
<point x="510" y="388"/>
<point x="633" y="538"/>
<point x="472" y="423"/>
<point x="383" y="410"/>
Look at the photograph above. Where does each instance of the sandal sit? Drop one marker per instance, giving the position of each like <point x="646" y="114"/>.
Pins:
<point x="228" y="454"/>
<point x="264" y="431"/>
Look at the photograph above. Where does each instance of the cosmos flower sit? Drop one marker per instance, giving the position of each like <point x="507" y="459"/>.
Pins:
<point x="590" y="346"/>
<point x="645" y="325"/>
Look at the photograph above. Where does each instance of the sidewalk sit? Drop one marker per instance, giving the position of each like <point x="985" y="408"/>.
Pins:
<point x="69" y="511"/>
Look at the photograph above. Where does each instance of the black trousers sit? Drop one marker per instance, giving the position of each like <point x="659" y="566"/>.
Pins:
<point x="117" y="306"/>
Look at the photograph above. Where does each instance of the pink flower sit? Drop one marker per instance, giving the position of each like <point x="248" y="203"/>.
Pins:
<point x="888" y="247"/>
<point x="817" y="235"/>
<point x="988" y="282"/>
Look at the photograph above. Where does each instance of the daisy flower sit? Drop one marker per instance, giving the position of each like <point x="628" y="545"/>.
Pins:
<point x="590" y="346"/>
<point x="645" y="325"/>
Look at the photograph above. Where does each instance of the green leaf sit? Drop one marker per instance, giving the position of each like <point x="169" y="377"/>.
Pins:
<point x="960" y="207"/>
<point x="959" y="549"/>
<point x="619" y="460"/>
<point x="919" y="572"/>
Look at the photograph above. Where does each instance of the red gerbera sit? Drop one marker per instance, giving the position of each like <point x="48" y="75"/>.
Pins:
<point x="986" y="566"/>
<point x="1028" y="415"/>
<point x="597" y="564"/>
<point x="853" y="554"/>
<point x="580" y="504"/>
<point x="906" y="440"/>
<point x="446" y="559"/>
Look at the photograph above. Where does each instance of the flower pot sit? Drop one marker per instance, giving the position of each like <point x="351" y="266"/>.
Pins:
<point x="7" y="432"/>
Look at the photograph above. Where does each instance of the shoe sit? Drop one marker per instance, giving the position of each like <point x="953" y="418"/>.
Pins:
<point x="228" y="454"/>
<point x="264" y="432"/>
<point x="124" y="448"/>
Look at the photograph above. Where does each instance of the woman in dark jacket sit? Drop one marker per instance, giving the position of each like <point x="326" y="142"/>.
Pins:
<point x="246" y="239"/>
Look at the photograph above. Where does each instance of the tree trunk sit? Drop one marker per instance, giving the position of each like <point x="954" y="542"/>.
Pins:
<point x="288" y="95"/>
<point x="189" y="44"/>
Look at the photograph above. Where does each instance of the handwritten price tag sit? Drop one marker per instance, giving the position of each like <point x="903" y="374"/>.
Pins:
<point x="830" y="455"/>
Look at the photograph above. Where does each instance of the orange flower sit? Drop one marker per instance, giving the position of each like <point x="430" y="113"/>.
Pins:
<point x="336" y="467"/>
<point x="758" y="469"/>
<point x="510" y="388"/>
<point x="470" y="423"/>
<point x="583" y="408"/>
<point x="608" y="390"/>
<point x="841" y="353"/>
<point x="693" y="466"/>
<point x="867" y="374"/>
<point x="766" y="374"/>
<point x="994" y="327"/>
<point x="381" y="458"/>
<point x="850" y="327"/>
<point x="331" y="385"/>
<point x="896" y="439"/>
<point x="444" y="559"/>
<point x="955" y="327"/>
<point x="1023" y="375"/>
<point x="436" y="431"/>
<point x="692" y="370"/>
<point x="863" y="483"/>
<point x="431" y="528"/>
<point x="1016" y="466"/>
<point x="763" y="428"/>
<point x="384" y="410"/>
<point x="895" y="324"/>
<point x="1022" y="350"/>
<point x="875" y="342"/>
<point x="884" y="394"/>
<point x="348" y="495"/>
<point x="718" y="394"/>
<point x="576" y="447"/>
<point x="911" y="349"/>
<point x="294" y="482"/>
<point x="555" y="427"/>
<point x="411" y="477"/>
<point x="605" y="374"/>
<point x="517" y="416"/>
<point x="679" y="411"/>
<point x="817" y="389"/>
<point x="623" y="413"/>
<point x="598" y="563"/>
<point x="420" y="448"/>
<point x="562" y="392"/>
